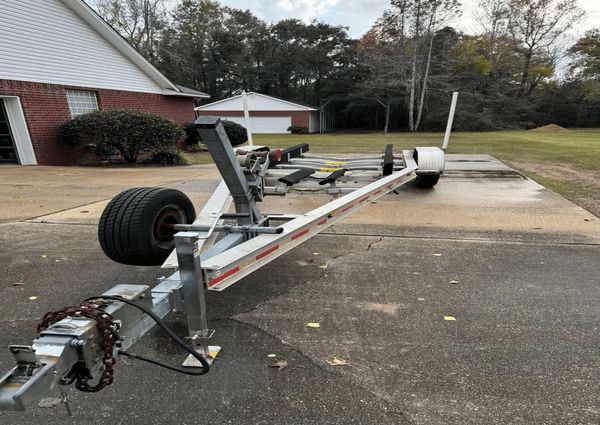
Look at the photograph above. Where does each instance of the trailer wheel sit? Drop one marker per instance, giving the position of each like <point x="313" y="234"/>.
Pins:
<point x="136" y="227"/>
<point x="427" y="181"/>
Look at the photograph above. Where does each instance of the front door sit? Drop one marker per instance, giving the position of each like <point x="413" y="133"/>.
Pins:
<point x="8" y="152"/>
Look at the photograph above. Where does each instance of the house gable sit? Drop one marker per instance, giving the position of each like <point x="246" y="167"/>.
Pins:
<point x="256" y="102"/>
<point x="47" y="41"/>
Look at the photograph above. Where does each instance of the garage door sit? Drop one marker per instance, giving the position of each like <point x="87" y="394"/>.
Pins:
<point x="275" y="125"/>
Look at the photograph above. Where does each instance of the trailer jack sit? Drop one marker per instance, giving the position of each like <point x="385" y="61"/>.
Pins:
<point x="210" y="251"/>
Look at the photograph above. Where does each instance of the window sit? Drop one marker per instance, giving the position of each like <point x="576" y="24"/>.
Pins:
<point x="81" y="102"/>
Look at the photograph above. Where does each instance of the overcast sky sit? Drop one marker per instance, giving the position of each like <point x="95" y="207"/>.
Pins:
<point x="359" y="15"/>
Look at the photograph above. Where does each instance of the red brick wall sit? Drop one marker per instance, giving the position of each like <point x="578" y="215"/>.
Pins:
<point x="299" y="118"/>
<point x="45" y="107"/>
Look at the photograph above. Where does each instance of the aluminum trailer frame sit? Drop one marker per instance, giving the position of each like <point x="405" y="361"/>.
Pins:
<point x="202" y="262"/>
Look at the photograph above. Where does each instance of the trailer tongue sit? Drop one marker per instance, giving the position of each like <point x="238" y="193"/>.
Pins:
<point x="155" y="226"/>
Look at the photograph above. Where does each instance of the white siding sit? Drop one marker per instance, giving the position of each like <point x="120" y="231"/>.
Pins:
<point x="256" y="102"/>
<point x="45" y="41"/>
<point x="270" y="125"/>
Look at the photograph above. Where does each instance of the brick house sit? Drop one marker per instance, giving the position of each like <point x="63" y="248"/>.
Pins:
<point x="59" y="60"/>
<point x="267" y="114"/>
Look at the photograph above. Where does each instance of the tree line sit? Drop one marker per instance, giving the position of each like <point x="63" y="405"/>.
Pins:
<point x="521" y="68"/>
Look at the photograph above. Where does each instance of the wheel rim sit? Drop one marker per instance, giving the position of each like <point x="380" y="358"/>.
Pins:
<point x="164" y="225"/>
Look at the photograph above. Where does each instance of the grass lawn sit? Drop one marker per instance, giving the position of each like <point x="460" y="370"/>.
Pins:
<point x="567" y="162"/>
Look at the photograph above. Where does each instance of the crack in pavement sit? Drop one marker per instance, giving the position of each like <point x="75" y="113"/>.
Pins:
<point x="488" y="240"/>
<point x="393" y="406"/>
<point x="368" y="248"/>
<point x="396" y="407"/>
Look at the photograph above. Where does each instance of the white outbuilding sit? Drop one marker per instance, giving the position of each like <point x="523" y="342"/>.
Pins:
<point x="268" y="114"/>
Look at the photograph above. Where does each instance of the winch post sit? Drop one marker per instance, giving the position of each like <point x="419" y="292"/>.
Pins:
<point x="192" y="283"/>
<point x="214" y="137"/>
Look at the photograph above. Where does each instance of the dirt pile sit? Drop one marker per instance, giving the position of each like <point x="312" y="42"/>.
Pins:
<point x="550" y="128"/>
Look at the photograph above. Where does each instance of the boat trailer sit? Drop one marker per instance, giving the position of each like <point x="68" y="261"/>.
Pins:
<point x="211" y="251"/>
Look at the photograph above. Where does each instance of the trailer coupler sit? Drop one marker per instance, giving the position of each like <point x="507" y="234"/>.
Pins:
<point x="80" y="344"/>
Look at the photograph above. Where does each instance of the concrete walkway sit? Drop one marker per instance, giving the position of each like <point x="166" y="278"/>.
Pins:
<point x="514" y="264"/>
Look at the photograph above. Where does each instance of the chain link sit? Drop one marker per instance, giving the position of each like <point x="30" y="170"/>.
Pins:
<point x="108" y="331"/>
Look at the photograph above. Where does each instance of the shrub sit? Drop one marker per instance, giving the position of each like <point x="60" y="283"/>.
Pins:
<point x="123" y="131"/>
<point x="198" y="147"/>
<point x="235" y="132"/>
<point x="297" y="129"/>
<point x="167" y="157"/>
<point x="191" y="135"/>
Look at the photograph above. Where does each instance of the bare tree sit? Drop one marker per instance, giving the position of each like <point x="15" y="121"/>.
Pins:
<point x="138" y="21"/>
<point x="439" y="14"/>
<point x="493" y="18"/>
<point x="419" y="20"/>
<point x="537" y="25"/>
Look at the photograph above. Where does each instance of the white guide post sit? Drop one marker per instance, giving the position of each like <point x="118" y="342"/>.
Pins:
<point x="247" y="117"/>
<point x="450" y="121"/>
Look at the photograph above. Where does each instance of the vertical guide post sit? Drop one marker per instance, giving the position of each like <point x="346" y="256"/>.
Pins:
<point x="192" y="281"/>
<point x="247" y="117"/>
<point x="450" y="121"/>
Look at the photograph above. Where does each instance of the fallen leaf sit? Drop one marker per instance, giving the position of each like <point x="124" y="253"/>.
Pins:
<point x="279" y="364"/>
<point x="454" y="282"/>
<point x="450" y="318"/>
<point x="50" y="402"/>
<point x="33" y="298"/>
<point x="271" y="355"/>
<point x="334" y="361"/>
<point x="313" y="325"/>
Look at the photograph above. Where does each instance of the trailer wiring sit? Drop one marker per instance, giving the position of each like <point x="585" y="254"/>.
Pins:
<point x="176" y="339"/>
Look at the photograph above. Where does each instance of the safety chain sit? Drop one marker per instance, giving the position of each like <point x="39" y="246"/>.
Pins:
<point x="108" y="330"/>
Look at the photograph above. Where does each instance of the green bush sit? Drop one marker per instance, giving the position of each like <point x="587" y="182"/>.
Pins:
<point x="297" y="129"/>
<point x="198" y="147"/>
<point x="121" y="131"/>
<point x="167" y="157"/>
<point x="235" y="132"/>
<point x="191" y="135"/>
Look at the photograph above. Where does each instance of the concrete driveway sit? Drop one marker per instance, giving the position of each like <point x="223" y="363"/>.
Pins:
<point x="514" y="264"/>
<point x="29" y="192"/>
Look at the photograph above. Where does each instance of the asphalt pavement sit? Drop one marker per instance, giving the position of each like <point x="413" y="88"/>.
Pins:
<point x="476" y="302"/>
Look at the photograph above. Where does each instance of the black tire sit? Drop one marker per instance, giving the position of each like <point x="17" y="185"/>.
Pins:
<point x="427" y="181"/>
<point x="136" y="226"/>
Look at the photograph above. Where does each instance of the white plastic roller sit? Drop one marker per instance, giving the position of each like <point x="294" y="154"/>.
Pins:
<point x="430" y="160"/>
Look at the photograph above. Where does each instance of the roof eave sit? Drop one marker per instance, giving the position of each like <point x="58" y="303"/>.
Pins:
<point x="182" y="94"/>
<point x="305" y="108"/>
